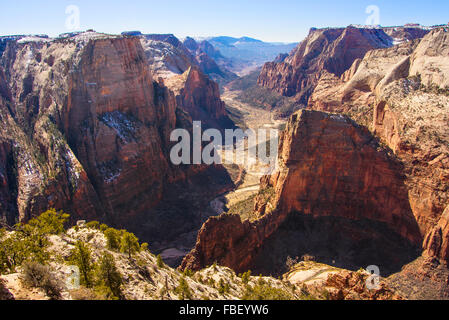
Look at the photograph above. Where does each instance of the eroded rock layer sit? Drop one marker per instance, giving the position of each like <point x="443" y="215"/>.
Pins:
<point x="86" y="129"/>
<point x="329" y="167"/>
<point x="328" y="50"/>
<point x="402" y="95"/>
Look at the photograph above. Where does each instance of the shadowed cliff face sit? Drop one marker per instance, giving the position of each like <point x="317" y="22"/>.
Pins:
<point x="325" y="50"/>
<point x="336" y="168"/>
<point x="332" y="173"/>
<point x="401" y="94"/>
<point x="86" y="130"/>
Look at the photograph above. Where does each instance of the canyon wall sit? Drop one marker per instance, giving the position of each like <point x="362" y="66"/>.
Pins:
<point x="88" y="120"/>
<point x="331" y="50"/>
<point x="335" y="170"/>
<point x="174" y="66"/>
<point x="401" y="94"/>
<point x="330" y="167"/>
<point x="87" y="127"/>
<point x="208" y="59"/>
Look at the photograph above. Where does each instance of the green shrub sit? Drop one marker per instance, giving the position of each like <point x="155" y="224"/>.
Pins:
<point x="160" y="263"/>
<point x="223" y="287"/>
<point x="188" y="273"/>
<point x="82" y="258"/>
<point x="109" y="279"/>
<point x="29" y="240"/>
<point x="144" y="246"/>
<point x="113" y="238"/>
<point x="93" y="225"/>
<point x="49" y="222"/>
<point x="129" y="244"/>
<point x="264" y="291"/>
<point x="183" y="289"/>
<point x="246" y="276"/>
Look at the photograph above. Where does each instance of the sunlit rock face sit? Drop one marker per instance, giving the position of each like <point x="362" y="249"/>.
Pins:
<point x="87" y="129"/>
<point x="333" y="171"/>
<point x="331" y="50"/>
<point x="401" y="94"/>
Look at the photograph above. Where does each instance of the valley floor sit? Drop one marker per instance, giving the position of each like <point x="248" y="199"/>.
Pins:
<point x="253" y="118"/>
<point x="246" y="179"/>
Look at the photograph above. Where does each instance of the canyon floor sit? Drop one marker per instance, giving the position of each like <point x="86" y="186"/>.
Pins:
<point x="249" y="176"/>
<point x="246" y="178"/>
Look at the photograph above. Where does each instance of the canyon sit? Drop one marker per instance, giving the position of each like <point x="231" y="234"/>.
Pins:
<point x="364" y="162"/>
<point x="363" y="159"/>
<point x="87" y="130"/>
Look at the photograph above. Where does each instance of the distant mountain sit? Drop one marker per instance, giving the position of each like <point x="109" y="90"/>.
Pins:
<point x="209" y="60"/>
<point x="243" y="55"/>
<point x="230" y="41"/>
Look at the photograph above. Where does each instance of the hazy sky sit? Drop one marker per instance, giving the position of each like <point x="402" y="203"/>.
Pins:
<point x="273" y="20"/>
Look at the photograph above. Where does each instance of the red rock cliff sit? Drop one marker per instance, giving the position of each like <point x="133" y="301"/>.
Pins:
<point x="401" y="94"/>
<point x="89" y="127"/>
<point x="329" y="167"/>
<point x="326" y="50"/>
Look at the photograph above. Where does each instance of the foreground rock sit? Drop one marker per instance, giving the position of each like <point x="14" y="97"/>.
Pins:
<point x="144" y="278"/>
<point x="177" y="67"/>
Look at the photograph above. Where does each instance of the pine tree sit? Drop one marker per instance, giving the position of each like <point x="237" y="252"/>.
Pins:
<point x="129" y="244"/>
<point x="159" y="261"/>
<point x="183" y="289"/>
<point x="49" y="222"/>
<point x="113" y="238"/>
<point x="109" y="277"/>
<point x="82" y="258"/>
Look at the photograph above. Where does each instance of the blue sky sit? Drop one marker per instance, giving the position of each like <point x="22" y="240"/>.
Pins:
<point x="273" y="20"/>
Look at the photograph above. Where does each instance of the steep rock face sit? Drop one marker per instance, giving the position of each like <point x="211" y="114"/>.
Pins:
<point x="87" y="121"/>
<point x="125" y="125"/>
<point x="330" y="168"/>
<point x="8" y="189"/>
<point x="324" y="50"/>
<point x="401" y="94"/>
<point x="436" y="242"/>
<point x="208" y="58"/>
<point x="335" y="168"/>
<point x="200" y="98"/>
<point x="195" y="92"/>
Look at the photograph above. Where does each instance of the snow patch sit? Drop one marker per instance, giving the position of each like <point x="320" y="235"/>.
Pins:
<point x="124" y="126"/>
